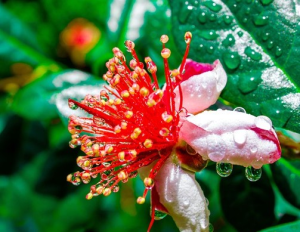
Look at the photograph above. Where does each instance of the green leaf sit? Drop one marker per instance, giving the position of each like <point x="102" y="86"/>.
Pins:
<point x="290" y="227"/>
<point x="286" y="175"/>
<point x="245" y="203"/>
<point x="257" y="44"/>
<point x="37" y="99"/>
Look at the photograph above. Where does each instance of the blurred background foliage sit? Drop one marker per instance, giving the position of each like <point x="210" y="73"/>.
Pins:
<point x="51" y="50"/>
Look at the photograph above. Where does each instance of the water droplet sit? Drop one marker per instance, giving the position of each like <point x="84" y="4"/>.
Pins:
<point x="158" y="215"/>
<point x="202" y="17"/>
<point x="265" y="36"/>
<point x="210" y="49"/>
<point x="253" y="149"/>
<point x="240" y="33"/>
<point x="212" y="17"/>
<point x="247" y="84"/>
<point x="229" y="40"/>
<point x="228" y="19"/>
<point x="190" y="150"/>
<point x="212" y="6"/>
<point x="208" y="34"/>
<point x="231" y="59"/>
<point x="253" y="174"/>
<point x="263" y="122"/>
<point x="224" y="169"/>
<point x="253" y="54"/>
<point x="245" y="20"/>
<point x="185" y="12"/>
<point x="240" y="109"/>
<point x="270" y="44"/>
<point x="266" y="2"/>
<point x="201" y="48"/>
<point x="247" y="11"/>
<point x="239" y="137"/>
<point x="186" y="203"/>
<point x="249" y="1"/>
<point x="211" y="227"/>
<point x="72" y="145"/>
<point x="261" y="20"/>
<point x="216" y="156"/>
<point x="72" y="105"/>
<point x="278" y="51"/>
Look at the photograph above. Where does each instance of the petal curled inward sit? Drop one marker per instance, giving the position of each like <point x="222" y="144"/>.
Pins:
<point x="203" y="87"/>
<point x="182" y="196"/>
<point x="232" y="137"/>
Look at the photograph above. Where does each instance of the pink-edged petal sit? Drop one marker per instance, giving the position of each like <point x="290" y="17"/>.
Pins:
<point x="202" y="90"/>
<point x="192" y="68"/>
<point x="182" y="196"/>
<point x="232" y="137"/>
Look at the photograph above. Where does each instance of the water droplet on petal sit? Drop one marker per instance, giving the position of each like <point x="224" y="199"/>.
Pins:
<point x="216" y="156"/>
<point x="263" y="122"/>
<point x="253" y="149"/>
<point x="186" y="203"/>
<point x="253" y="174"/>
<point x="240" y="109"/>
<point x="158" y="215"/>
<point x="239" y="137"/>
<point x="224" y="169"/>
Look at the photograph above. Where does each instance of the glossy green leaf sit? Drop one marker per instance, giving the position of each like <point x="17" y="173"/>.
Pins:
<point x="257" y="43"/>
<point x="290" y="227"/>
<point x="37" y="99"/>
<point x="286" y="175"/>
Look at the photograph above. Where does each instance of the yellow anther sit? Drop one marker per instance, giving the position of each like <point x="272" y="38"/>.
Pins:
<point x="89" y="196"/>
<point x="175" y="73"/>
<point x="149" y="182"/>
<point x="99" y="190"/>
<point x="164" y="132"/>
<point x="110" y="102"/>
<point x="131" y="91"/>
<point x="165" y="53"/>
<point x="144" y="92"/>
<point x="106" y="192"/>
<point x="134" y="75"/>
<point x="167" y="117"/>
<point x="128" y="114"/>
<point x="188" y="37"/>
<point x="121" y="156"/>
<point x="164" y="39"/>
<point x="69" y="177"/>
<point x="109" y="149"/>
<point x="125" y="94"/>
<point x="148" y="143"/>
<point x="124" y="125"/>
<point x="136" y="87"/>
<point x="140" y="200"/>
<point x="117" y="129"/>
<point x="148" y="59"/>
<point x="118" y="101"/>
<point x="151" y="102"/>
<point x="122" y="175"/>
<point x="86" y="163"/>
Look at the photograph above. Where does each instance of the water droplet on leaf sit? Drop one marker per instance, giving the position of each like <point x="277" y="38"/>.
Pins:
<point x="278" y="51"/>
<point x="212" y="6"/>
<point x="240" y="33"/>
<point x="208" y="34"/>
<point x="185" y="12"/>
<point x="228" y="19"/>
<point x="253" y="174"/>
<point x="265" y="36"/>
<point x="231" y="59"/>
<point x="229" y="40"/>
<point x="224" y="169"/>
<point x="253" y="54"/>
<point x="261" y="20"/>
<point x="266" y="2"/>
<point x="202" y="17"/>
<point x="270" y="44"/>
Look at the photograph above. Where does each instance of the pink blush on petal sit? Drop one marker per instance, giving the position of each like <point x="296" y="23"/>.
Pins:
<point x="194" y="68"/>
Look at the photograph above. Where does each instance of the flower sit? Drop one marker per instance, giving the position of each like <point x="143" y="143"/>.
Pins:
<point x="164" y="134"/>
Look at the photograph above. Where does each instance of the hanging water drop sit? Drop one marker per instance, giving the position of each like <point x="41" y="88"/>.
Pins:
<point x="263" y="122"/>
<point x="224" y="169"/>
<point x="158" y="215"/>
<point x="239" y="109"/>
<point x="253" y="174"/>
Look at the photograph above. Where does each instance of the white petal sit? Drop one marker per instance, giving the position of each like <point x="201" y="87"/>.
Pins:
<point x="182" y="196"/>
<point x="201" y="91"/>
<point x="232" y="137"/>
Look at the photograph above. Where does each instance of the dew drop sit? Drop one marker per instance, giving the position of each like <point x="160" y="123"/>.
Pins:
<point x="239" y="109"/>
<point x="245" y="20"/>
<point x="261" y="20"/>
<point x="158" y="215"/>
<point x="248" y="10"/>
<point x="229" y="40"/>
<point x="263" y="122"/>
<point x="239" y="137"/>
<point x="253" y="174"/>
<point x="249" y="1"/>
<point x="253" y="54"/>
<point x="224" y="169"/>
<point x="253" y="150"/>
<point x="202" y="17"/>
<point x="265" y="36"/>
<point x="210" y="49"/>
<point x="185" y="12"/>
<point x="212" y="6"/>
<point x="72" y="105"/>
<point x="216" y="156"/>
<point x="212" y="17"/>
<point x="270" y="44"/>
<point x="266" y="2"/>
<point x="231" y="59"/>
<point x="240" y="33"/>
<point x="186" y="203"/>
<point x="228" y="19"/>
<point x="208" y="34"/>
<point x="278" y="51"/>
